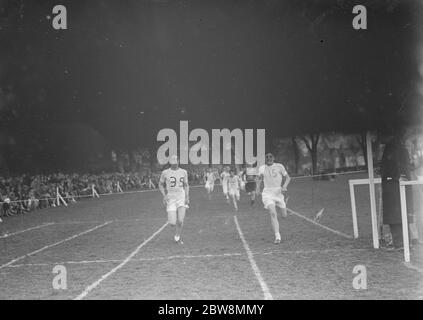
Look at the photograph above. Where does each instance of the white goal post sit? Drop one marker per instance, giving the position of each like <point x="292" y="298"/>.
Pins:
<point x="404" y="218"/>
<point x="375" y="232"/>
<point x="371" y="182"/>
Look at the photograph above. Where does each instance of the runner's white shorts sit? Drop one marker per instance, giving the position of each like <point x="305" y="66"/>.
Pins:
<point x="242" y="185"/>
<point x="209" y="185"/>
<point x="234" y="193"/>
<point x="225" y="187"/>
<point x="175" y="200"/>
<point x="273" y="197"/>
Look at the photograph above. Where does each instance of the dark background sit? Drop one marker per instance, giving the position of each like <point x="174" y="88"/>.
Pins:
<point x="126" y="69"/>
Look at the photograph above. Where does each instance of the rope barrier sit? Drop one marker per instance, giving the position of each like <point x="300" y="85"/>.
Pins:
<point x="329" y="174"/>
<point x="95" y="194"/>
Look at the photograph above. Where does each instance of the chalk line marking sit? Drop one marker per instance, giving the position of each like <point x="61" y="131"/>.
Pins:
<point x="320" y="225"/>
<point x="133" y="260"/>
<point x="53" y="244"/>
<point x="128" y="258"/>
<point x="200" y="256"/>
<point x="413" y="267"/>
<point x="221" y="216"/>
<point x="264" y="287"/>
<point x="25" y="230"/>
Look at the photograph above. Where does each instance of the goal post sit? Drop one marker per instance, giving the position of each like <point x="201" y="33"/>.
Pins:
<point x="375" y="233"/>
<point x="375" y="228"/>
<point x="404" y="213"/>
<point x="371" y="182"/>
<point x="353" y="209"/>
<point x="404" y="217"/>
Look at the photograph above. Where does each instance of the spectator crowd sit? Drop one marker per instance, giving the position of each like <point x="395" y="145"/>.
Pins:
<point x="24" y="193"/>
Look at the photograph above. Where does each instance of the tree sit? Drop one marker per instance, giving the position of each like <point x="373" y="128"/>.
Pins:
<point x="376" y="143"/>
<point x="361" y="139"/>
<point x="296" y="152"/>
<point x="311" y="141"/>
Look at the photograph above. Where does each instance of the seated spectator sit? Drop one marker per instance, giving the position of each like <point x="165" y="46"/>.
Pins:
<point x="6" y="207"/>
<point x="24" y="193"/>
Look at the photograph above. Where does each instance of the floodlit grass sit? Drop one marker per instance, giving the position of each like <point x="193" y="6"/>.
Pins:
<point x="310" y="263"/>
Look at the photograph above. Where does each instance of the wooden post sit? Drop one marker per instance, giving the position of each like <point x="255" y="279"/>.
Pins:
<point x="59" y="198"/>
<point x="375" y="231"/>
<point x="353" y="209"/>
<point x="404" y="220"/>
<point x="95" y="194"/>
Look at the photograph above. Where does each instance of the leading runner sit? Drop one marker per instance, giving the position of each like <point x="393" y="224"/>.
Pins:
<point x="175" y="190"/>
<point x="272" y="174"/>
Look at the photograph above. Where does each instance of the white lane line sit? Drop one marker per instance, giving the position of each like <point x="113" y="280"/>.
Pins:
<point x="128" y="258"/>
<point x="320" y="225"/>
<point x="133" y="260"/>
<point x="131" y="220"/>
<point x="53" y="244"/>
<point x="311" y="251"/>
<point x="25" y="230"/>
<point x="264" y="287"/>
<point x="99" y="221"/>
<point x="221" y="255"/>
<point x="411" y="266"/>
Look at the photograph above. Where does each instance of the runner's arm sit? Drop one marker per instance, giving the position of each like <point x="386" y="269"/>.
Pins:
<point x="259" y="179"/>
<point x="286" y="183"/>
<point x="162" y="185"/>
<point x="186" y="188"/>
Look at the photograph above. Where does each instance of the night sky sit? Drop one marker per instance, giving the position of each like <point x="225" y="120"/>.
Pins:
<point x="130" y="68"/>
